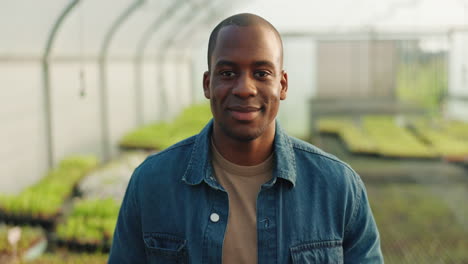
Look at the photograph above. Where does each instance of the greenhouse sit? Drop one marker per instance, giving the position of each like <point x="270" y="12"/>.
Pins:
<point x="92" y="88"/>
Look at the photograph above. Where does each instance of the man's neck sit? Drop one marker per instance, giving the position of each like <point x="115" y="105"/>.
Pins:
<point x="244" y="153"/>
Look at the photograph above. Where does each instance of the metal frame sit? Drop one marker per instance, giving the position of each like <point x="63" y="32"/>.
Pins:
<point x="375" y="34"/>
<point x="392" y="8"/>
<point x="459" y="98"/>
<point x="47" y="103"/>
<point x="105" y="130"/>
<point x="170" y="42"/>
<point x="154" y="27"/>
<point x="179" y="23"/>
<point x="194" y="29"/>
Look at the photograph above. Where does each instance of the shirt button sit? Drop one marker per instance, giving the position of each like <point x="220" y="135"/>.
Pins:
<point x="214" y="217"/>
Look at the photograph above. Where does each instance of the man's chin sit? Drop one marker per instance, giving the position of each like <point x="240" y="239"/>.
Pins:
<point x="245" y="135"/>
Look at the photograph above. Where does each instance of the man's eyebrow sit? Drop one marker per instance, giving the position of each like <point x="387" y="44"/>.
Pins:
<point x="221" y="63"/>
<point x="264" y="63"/>
<point x="224" y="63"/>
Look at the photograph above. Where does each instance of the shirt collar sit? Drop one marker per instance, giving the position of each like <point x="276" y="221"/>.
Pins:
<point x="199" y="167"/>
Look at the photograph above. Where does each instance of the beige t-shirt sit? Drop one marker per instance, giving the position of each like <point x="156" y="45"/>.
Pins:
<point x="242" y="184"/>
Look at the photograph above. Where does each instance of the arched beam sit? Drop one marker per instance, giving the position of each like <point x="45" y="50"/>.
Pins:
<point x="181" y="22"/>
<point x="154" y="27"/>
<point x="103" y="91"/>
<point x="189" y="34"/>
<point x="47" y="101"/>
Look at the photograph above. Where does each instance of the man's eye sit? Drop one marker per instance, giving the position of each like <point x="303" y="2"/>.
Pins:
<point x="227" y="73"/>
<point x="261" y="74"/>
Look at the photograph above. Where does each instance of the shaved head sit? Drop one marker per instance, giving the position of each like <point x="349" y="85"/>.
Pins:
<point x="241" y="20"/>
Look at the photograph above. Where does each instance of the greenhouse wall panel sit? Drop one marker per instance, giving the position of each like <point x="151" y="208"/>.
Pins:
<point x="458" y="77"/>
<point x="149" y="97"/>
<point x="183" y="89"/>
<point x="177" y="96"/>
<point x="21" y="90"/>
<point x="395" y="74"/>
<point x="300" y="64"/>
<point x="365" y="68"/>
<point x="85" y="28"/>
<point x="26" y="25"/>
<point x="459" y="64"/>
<point x="121" y="101"/>
<point x="458" y="110"/>
<point x="22" y="153"/>
<point x="22" y="133"/>
<point x="21" y="168"/>
<point x="75" y="110"/>
<point x="199" y="65"/>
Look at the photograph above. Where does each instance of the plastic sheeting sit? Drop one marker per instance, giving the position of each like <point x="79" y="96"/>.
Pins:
<point x="101" y="83"/>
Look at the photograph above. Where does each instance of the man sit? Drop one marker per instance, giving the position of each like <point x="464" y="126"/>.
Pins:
<point x="242" y="191"/>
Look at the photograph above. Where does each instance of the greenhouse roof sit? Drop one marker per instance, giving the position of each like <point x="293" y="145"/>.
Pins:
<point x="27" y="25"/>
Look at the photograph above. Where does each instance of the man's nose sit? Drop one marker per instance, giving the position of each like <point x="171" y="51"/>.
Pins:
<point x="244" y="86"/>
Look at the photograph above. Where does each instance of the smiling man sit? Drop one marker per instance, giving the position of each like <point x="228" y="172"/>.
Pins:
<point x="243" y="191"/>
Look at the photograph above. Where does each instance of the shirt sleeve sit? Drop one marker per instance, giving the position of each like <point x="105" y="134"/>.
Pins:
<point x="362" y="240"/>
<point x="128" y="246"/>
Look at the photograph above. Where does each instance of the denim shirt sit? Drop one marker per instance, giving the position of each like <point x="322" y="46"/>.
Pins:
<point x="313" y="210"/>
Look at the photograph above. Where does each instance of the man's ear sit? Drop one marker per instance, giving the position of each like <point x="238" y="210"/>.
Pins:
<point x="206" y="84"/>
<point x="284" y="84"/>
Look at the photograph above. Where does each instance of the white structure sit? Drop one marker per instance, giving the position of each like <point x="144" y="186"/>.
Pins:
<point x="77" y="74"/>
<point x="457" y="106"/>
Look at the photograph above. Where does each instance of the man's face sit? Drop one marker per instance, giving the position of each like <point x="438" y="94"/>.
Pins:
<point x="246" y="82"/>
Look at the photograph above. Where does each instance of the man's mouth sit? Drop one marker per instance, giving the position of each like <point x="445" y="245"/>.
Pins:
<point x="244" y="113"/>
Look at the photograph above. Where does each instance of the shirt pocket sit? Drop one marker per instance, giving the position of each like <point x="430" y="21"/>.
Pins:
<point x="323" y="252"/>
<point x="165" y="248"/>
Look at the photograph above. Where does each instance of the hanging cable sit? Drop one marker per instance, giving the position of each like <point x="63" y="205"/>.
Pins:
<point x="81" y="73"/>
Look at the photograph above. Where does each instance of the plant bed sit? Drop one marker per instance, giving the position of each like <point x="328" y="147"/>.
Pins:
<point x="143" y="147"/>
<point x="463" y="163"/>
<point x="64" y="257"/>
<point x="379" y="136"/>
<point x="80" y="246"/>
<point x="111" y="179"/>
<point x="458" y="129"/>
<point x="90" y="225"/>
<point x="344" y="147"/>
<point x="445" y="144"/>
<point x="41" y="203"/>
<point x="403" y="157"/>
<point x="421" y="223"/>
<point x="353" y="137"/>
<point x="47" y="222"/>
<point x="32" y="242"/>
<point x="357" y="142"/>
<point x="331" y="125"/>
<point x="164" y="134"/>
<point x="395" y="141"/>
